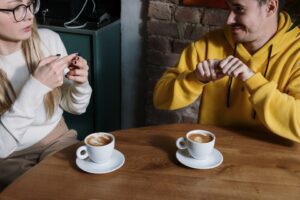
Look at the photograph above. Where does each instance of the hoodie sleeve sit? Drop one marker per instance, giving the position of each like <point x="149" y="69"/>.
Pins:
<point x="278" y="111"/>
<point x="179" y="87"/>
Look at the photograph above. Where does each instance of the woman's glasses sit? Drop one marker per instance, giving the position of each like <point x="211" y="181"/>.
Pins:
<point x="20" y="11"/>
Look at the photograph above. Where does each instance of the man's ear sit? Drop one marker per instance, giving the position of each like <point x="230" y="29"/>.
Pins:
<point x="272" y="7"/>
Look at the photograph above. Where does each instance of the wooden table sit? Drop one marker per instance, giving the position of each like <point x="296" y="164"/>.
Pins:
<point x="256" y="166"/>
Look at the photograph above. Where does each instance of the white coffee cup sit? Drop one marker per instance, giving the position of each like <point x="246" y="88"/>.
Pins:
<point x="199" y="143"/>
<point x="98" y="147"/>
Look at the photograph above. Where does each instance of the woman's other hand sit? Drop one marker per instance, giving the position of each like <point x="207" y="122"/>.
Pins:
<point x="78" y="70"/>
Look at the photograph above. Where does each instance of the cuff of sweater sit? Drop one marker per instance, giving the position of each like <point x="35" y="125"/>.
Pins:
<point x="31" y="96"/>
<point x="81" y="89"/>
<point x="255" y="82"/>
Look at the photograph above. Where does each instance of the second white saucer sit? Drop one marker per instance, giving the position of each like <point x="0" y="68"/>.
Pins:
<point x="214" y="160"/>
<point x="117" y="160"/>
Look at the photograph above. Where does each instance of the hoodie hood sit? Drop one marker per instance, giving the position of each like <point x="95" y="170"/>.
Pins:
<point x="286" y="34"/>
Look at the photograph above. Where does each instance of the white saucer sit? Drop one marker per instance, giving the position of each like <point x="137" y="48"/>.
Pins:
<point x="117" y="160"/>
<point x="214" y="160"/>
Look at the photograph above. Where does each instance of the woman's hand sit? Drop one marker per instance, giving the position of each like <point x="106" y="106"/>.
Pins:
<point x="50" y="70"/>
<point x="78" y="70"/>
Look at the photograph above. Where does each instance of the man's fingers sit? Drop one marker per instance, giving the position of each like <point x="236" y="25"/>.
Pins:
<point x="206" y="69"/>
<point x="237" y="71"/>
<point x="212" y="69"/>
<point x="229" y="64"/>
<point x="234" y="67"/>
<point x="224" y="62"/>
<point x="200" y="69"/>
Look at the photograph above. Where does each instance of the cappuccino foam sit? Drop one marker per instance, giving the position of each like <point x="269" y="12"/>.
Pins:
<point x="200" y="138"/>
<point x="100" y="140"/>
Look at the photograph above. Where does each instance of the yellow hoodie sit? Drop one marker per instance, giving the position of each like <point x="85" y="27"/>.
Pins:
<point x="271" y="97"/>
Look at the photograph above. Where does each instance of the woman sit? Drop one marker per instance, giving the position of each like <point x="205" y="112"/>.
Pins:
<point x="34" y="90"/>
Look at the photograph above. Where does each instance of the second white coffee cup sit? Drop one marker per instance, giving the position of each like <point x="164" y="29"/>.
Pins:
<point x="98" y="147"/>
<point x="199" y="143"/>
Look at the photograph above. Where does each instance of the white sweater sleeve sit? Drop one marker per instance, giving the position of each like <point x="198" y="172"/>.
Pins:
<point x="15" y="121"/>
<point x="76" y="97"/>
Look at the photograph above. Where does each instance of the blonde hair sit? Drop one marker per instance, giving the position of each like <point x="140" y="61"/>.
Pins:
<point x="33" y="54"/>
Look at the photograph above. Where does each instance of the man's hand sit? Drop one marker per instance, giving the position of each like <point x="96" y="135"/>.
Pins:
<point x="208" y="71"/>
<point x="232" y="66"/>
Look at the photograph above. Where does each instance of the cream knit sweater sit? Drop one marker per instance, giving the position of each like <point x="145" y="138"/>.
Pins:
<point x="25" y="123"/>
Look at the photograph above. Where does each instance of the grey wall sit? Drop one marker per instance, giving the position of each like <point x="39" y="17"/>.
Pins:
<point x="132" y="64"/>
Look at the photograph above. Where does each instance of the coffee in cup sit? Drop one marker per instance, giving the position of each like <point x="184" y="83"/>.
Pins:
<point x="98" y="147"/>
<point x="98" y="140"/>
<point x="199" y="143"/>
<point x="201" y="138"/>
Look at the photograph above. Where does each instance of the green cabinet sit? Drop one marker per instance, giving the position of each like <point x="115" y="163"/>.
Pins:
<point x="101" y="48"/>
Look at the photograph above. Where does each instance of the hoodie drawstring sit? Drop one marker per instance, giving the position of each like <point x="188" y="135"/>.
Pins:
<point x="230" y="78"/>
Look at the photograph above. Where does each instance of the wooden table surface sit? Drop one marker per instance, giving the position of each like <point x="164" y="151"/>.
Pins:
<point x="256" y="166"/>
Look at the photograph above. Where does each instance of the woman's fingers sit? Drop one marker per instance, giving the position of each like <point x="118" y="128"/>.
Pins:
<point x="78" y="72"/>
<point x="78" y="79"/>
<point x="80" y="62"/>
<point x="48" y="60"/>
<point x="64" y="62"/>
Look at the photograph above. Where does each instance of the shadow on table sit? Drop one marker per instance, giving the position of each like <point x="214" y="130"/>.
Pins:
<point x="263" y="135"/>
<point x="69" y="154"/>
<point x="168" y="145"/>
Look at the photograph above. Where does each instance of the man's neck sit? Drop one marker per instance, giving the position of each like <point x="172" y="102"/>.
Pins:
<point x="254" y="46"/>
<point x="8" y="47"/>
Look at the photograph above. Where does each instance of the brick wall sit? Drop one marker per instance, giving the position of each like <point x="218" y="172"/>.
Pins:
<point x="171" y="27"/>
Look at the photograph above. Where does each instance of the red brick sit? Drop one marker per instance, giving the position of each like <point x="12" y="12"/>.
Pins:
<point x="212" y="28"/>
<point x="162" y="59"/>
<point x="179" y="45"/>
<point x="215" y="17"/>
<point x="188" y="14"/>
<point x="159" y="44"/>
<point x="194" y="32"/>
<point x="163" y="28"/>
<point x="155" y="71"/>
<point x="158" y="10"/>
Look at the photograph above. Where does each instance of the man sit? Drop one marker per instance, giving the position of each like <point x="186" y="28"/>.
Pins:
<point x="247" y="74"/>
